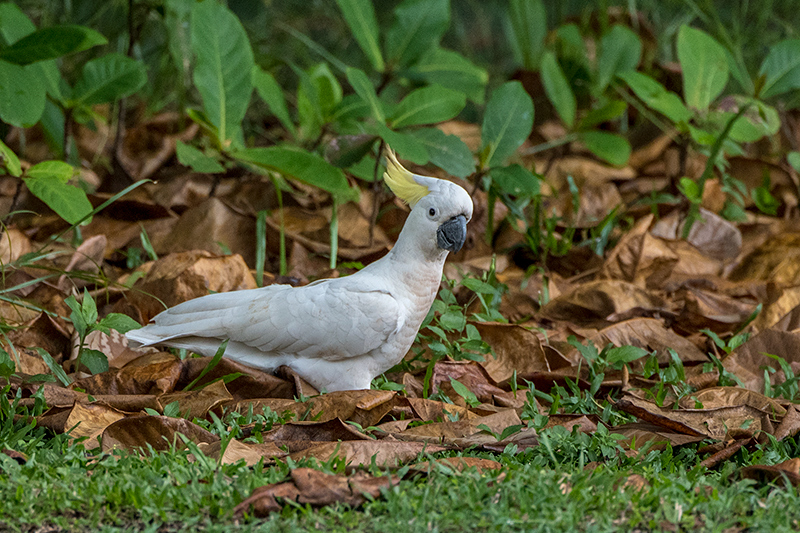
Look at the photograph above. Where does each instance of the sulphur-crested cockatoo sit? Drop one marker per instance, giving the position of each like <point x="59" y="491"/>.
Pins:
<point x="338" y="334"/>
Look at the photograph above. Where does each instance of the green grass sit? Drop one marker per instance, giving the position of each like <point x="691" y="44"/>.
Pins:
<point x="547" y="488"/>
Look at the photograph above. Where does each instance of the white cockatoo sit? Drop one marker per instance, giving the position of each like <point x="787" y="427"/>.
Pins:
<point x="338" y="334"/>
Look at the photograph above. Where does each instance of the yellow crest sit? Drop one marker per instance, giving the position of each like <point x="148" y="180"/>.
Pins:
<point x="401" y="181"/>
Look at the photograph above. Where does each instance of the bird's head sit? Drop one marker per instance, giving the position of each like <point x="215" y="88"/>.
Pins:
<point x="440" y="209"/>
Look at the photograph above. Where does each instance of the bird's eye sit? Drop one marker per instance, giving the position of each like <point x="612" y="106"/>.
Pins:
<point x="431" y="212"/>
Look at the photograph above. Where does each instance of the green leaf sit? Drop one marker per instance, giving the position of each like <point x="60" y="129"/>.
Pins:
<point x="272" y="94"/>
<point x="760" y="120"/>
<point x="195" y="159"/>
<point x="620" y="50"/>
<point x="465" y="393"/>
<point x="507" y="122"/>
<point x="781" y="69"/>
<point x="223" y="70"/>
<point x="607" y="146"/>
<point x="22" y="95"/>
<point x="107" y="79"/>
<point x="365" y="90"/>
<point x="612" y="109"/>
<point x="453" y="320"/>
<point x="51" y="169"/>
<point x="427" y="105"/>
<point x="529" y="25"/>
<point x="55" y="368"/>
<point x="10" y="160"/>
<point x="50" y="43"/>
<point x="704" y="65"/>
<point x="478" y="286"/>
<point x="515" y="181"/>
<point x="300" y="165"/>
<point x="451" y="70"/>
<point x="557" y="89"/>
<point x="408" y="146"/>
<point x="447" y="152"/>
<point x="418" y="27"/>
<point x="88" y="309"/>
<point x="624" y="354"/>
<point x="656" y="97"/>
<point x="119" y="322"/>
<point x="14" y="24"/>
<point x="7" y="365"/>
<point x="76" y="316"/>
<point x="48" y="182"/>
<point x="690" y="190"/>
<point x="95" y="361"/>
<point x="793" y="158"/>
<point x="360" y="17"/>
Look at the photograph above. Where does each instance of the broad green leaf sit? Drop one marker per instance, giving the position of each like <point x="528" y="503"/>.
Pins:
<point x="557" y="89"/>
<point x="451" y="70"/>
<point x="48" y="182"/>
<point x="50" y="43"/>
<point x="318" y="94"/>
<point x="300" y="165"/>
<point x="364" y="88"/>
<point x="607" y="146"/>
<point x="191" y="157"/>
<point x="10" y="160"/>
<point x="347" y="150"/>
<point x="22" y="95"/>
<point x="507" y="122"/>
<point x="272" y="94"/>
<point x="360" y="17"/>
<point x="7" y="365"/>
<point x="781" y="68"/>
<point x="427" y="105"/>
<point x="612" y="109"/>
<point x="620" y="50"/>
<point x="690" y="189"/>
<point x="14" y="24"/>
<point x="453" y="320"/>
<point x="418" y="26"/>
<point x="760" y="120"/>
<point x="88" y="308"/>
<point x="465" y="393"/>
<point x="447" y="152"/>
<point x="704" y="65"/>
<point x="223" y="68"/>
<point x="624" y="354"/>
<point x="76" y="316"/>
<point x="656" y="97"/>
<point x="571" y="46"/>
<point x="107" y="79"/>
<point x="515" y="181"/>
<point x="529" y="25"/>
<point x="95" y="361"/>
<point x="119" y="322"/>
<point x="350" y="113"/>
<point x="407" y="145"/>
<point x="51" y="169"/>
<point x="793" y="158"/>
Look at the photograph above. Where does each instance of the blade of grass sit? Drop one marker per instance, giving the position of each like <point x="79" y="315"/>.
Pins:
<point x="210" y="366"/>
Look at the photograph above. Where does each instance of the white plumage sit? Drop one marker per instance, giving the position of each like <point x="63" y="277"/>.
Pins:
<point x="338" y="334"/>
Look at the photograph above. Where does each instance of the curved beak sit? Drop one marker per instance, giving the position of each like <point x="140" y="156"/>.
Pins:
<point x="452" y="234"/>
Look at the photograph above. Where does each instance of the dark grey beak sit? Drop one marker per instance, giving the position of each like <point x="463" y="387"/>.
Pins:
<point x="452" y="234"/>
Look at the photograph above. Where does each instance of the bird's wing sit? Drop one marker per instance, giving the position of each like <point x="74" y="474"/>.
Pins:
<point x="332" y="321"/>
<point x="328" y="320"/>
